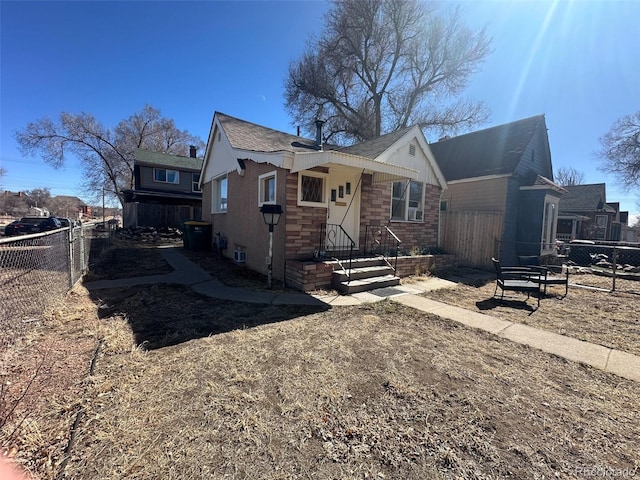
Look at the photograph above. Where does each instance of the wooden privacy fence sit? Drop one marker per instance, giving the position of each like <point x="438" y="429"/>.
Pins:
<point x="471" y="236"/>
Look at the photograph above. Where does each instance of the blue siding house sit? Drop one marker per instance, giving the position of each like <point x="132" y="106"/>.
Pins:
<point x="502" y="178"/>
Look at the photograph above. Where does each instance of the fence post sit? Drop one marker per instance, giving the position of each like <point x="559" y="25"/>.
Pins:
<point x="614" y="266"/>
<point x="70" y="255"/>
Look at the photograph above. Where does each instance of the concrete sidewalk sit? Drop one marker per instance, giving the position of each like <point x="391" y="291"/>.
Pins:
<point x="188" y="273"/>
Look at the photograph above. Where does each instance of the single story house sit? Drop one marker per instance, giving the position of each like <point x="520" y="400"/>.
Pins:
<point x="336" y="202"/>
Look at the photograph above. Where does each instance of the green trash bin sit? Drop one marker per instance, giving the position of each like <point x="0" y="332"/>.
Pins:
<point x="197" y="235"/>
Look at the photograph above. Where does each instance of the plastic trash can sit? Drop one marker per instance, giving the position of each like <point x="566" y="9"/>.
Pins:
<point x="197" y="235"/>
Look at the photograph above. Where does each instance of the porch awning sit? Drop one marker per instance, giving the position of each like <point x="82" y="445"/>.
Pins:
<point x="382" y="172"/>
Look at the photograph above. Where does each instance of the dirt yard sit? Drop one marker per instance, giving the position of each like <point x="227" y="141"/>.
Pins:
<point x="611" y="319"/>
<point x="183" y="386"/>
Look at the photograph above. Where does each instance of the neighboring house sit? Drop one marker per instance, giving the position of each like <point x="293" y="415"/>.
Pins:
<point x="167" y="191"/>
<point x="585" y="214"/>
<point x="74" y="208"/>
<point x="330" y="196"/>
<point x="501" y="200"/>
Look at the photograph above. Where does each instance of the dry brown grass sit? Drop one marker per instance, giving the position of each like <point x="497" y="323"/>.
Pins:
<point x="225" y="390"/>
<point x="611" y="319"/>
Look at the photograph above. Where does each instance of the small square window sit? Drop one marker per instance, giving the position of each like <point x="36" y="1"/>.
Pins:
<point x="311" y="189"/>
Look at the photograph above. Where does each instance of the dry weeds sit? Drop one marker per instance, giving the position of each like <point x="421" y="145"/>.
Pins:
<point x="611" y="319"/>
<point x="190" y="387"/>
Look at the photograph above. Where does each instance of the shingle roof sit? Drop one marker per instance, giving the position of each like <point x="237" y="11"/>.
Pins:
<point x="492" y="151"/>
<point x="168" y="160"/>
<point x="245" y="135"/>
<point x="583" y="198"/>
<point x="373" y="148"/>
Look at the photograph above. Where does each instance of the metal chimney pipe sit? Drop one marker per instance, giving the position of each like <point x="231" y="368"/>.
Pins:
<point x="319" y="124"/>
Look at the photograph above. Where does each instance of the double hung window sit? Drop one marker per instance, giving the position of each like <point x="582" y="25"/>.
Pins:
<point x="163" y="175"/>
<point x="407" y="201"/>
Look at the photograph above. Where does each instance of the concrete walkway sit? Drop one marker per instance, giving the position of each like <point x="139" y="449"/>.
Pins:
<point x="188" y="273"/>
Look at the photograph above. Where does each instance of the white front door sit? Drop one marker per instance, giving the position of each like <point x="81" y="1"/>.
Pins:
<point x="343" y="205"/>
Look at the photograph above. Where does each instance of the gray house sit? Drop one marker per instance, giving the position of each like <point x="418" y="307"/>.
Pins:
<point x="585" y="214"/>
<point x="501" y="200"/>
<point x="167" y="191"/>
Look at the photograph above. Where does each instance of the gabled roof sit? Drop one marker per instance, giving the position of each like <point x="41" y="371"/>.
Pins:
<point x="375" y="147"/>
<point x="584" y="198"/>
<point x="492" y="151"/>
<point x="167" y="160"/>
<point x="296" y="153"/>
<point x="249" y="136"/>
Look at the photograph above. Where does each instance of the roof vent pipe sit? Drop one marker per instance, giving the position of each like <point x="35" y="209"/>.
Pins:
<point x="319" y="124"/>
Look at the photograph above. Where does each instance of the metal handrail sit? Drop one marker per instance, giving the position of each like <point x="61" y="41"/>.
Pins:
<point x="380" y="240"/>
<point x="336" y="243"/>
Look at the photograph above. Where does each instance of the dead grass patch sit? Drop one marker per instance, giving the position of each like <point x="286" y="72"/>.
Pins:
<point x="605" y="318"/>
<point x="191" y="387"/>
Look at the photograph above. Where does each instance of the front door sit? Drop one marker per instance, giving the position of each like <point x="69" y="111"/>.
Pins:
<point x="343" y="208"/>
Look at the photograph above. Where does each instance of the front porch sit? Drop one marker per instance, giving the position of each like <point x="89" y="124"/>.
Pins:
<point x="310" y="275"/>
<point x="377" y="260"/>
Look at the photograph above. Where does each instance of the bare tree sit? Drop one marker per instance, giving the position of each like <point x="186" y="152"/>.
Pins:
<point x="620" y="151"/>
<point x="382" y="65"/>
<point x="567" y="176"/>
<point x="39" y="197"/>
<point x="106" y="154"/>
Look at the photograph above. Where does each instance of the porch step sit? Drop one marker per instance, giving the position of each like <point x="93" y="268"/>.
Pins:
<point x="357" y="273"/>
<point x="365" y="284"/>
<point x="364" y="274"/>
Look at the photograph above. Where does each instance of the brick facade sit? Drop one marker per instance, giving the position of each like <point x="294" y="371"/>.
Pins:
<point x="376" y="210"/>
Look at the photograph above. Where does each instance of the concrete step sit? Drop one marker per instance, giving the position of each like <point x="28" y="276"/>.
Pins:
<point x="363" y="262"/>
<point x="365" y="284"/>
<point x="360" y="273"/>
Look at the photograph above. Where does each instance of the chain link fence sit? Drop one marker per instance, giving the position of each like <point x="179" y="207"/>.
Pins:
<point x="609" y="266"/>
<point x="36" y="271"/>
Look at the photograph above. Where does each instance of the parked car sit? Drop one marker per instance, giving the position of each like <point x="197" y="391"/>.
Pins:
<point x="31" y="225"/>
<point x="66" y="222"/>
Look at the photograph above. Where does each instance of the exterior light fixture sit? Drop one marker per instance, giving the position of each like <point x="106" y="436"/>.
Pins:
<point x="271" y="214"/>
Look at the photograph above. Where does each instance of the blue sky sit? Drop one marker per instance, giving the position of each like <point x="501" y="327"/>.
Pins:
<point x="574" y="61"/>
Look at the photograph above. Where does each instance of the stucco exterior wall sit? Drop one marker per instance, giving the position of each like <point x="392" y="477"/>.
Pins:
<point x="243" y="225"/>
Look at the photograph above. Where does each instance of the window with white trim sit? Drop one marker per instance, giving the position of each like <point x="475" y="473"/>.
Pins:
<point x="407" y="201"/>
<point x="163" y="175"/>
<point x="267" y="188"/>
<point x="219" y="195"/>
<point x="549" y="224"/>
<point x="312" y="189"/>
<point x="195" y="181"/>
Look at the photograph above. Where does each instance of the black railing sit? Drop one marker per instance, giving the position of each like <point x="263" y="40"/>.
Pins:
<point x="380" y="240"/>
<point x="337" y="244"/>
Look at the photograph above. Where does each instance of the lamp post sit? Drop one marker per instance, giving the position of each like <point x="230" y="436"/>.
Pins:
<point x="271" y="214"/>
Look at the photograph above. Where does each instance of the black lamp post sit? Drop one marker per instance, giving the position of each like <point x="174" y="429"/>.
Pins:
<point x="271" y="214"/>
